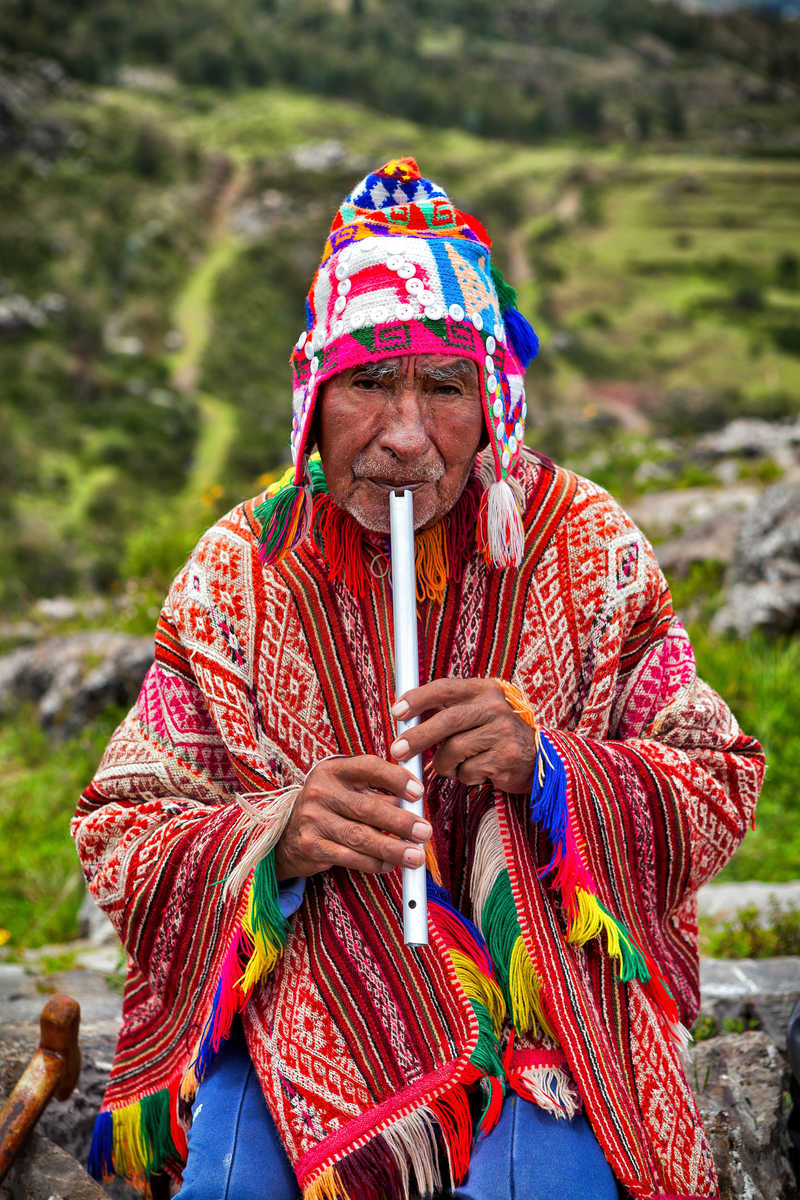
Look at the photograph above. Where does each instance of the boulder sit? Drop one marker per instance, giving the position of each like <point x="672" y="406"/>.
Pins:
<point x="740" y="1082"/>
<point x="760" y="991"/>
<point x="72" y="678"/>
<point x="764" y="577"/>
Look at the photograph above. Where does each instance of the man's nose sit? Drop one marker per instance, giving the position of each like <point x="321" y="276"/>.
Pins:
<point x="405" y="434"/>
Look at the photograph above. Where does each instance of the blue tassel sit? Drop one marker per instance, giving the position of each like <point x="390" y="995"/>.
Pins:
<point x="549" y="800"/>
<point x="206" y="1050"/>
<point x="524" y="341"/>
<point x="101" y="1151"/>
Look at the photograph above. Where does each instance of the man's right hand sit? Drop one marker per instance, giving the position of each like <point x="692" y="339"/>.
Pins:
<point x="348" y="814"/>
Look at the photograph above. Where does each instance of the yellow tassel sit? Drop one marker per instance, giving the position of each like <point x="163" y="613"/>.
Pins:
<point x="480" y="987"/>
<point x="265" y="955"/>
<point x="130" y="1154"/>
<point x="587" y="920"/>
<point x="285" y="479"/>
<point x="326" y="1186"/>
<point x="525" y="990"/>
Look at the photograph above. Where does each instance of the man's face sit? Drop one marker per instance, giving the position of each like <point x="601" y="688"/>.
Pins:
<point x="413" y="422"/>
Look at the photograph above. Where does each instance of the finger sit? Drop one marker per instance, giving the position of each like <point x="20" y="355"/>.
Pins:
<point x="462" y="747"/>
<point x="339" y="856"/>
<point x="369" y="771"/>
<point x="442" y="725"/>
<point x="368" y="842"/>
<point x="438" y="693"/>
<point x="477" y="770"/>
<point x="384" y="814"/>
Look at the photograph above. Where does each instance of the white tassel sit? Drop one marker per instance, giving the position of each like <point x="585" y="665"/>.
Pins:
<point x="266" y="823"/>
<point x="549" y="1087"/>
<point x="488" y="863"/>
<point x="505" y="538"/>
<point x="412" y="1141"/>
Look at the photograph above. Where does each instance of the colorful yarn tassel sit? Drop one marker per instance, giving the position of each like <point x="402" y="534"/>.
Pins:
<point x="138" y="1139"/>
<point x="516" y="973"/>
<point x="285" y="521"/>
<point x="475" y="972"/>
<point x="587" y="916"/>
<point x="501" y="537"/>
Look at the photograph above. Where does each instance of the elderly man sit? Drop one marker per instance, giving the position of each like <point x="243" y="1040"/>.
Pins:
<point x="245" y="828"/>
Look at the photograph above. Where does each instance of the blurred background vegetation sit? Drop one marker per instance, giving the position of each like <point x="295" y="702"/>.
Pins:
<point x="167" y="176"/>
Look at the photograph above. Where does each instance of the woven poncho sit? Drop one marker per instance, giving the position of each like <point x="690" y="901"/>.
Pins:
<point x="563" y="926"/>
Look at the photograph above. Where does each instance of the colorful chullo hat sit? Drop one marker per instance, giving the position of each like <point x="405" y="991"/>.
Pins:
<point x="406" y="272"/>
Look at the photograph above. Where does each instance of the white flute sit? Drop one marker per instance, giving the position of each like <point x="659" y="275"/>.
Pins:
<point x="406" y="674"/>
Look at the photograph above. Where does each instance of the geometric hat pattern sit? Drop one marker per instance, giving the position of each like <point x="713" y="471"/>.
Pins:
<point x="405" y="272"/>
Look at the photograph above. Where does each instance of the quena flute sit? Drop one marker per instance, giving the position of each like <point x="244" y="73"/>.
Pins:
<point x="406" y="674"/>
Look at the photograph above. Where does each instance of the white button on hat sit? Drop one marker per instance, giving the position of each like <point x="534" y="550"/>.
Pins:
<point x="512" y="444"/>
<point x="406" y="270"/>
<point x="506" y="459"/>
<point x="456" y="312"/>
<point x="491" y="345"/>
<point x="497" y="407"/>
<point x="309" y="349"/>
<point x="341" y="271"/>
<point x="477" y="320"/>
<point x="415" y="287"/>
<point x="301" y="341"/>
<point x="340" y="304"/>
<point x="500" y="333"/>
<point x="434" y="311"/>
<point x="344" y="287"/>
<point x="491" y="383"/>
<point x="338" y="328"/>
<point x="489" y="363"/>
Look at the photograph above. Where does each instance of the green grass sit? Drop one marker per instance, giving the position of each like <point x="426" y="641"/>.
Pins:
<point x="40" y="882"/>
<point x="760" y="680"/>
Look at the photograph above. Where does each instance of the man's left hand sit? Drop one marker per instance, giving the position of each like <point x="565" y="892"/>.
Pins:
<point x="478" y="735"/>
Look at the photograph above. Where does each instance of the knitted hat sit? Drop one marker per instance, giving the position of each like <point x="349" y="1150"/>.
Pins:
<point x="405" y="272"/>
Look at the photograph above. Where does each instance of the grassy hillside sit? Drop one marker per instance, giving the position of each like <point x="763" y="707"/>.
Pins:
<point x="156" y="243"/>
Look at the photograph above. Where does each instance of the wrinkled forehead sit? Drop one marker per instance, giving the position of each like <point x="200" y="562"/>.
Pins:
<point x="417" y="369"/>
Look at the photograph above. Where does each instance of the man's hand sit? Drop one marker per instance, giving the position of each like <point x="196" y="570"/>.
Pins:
<point x="478" y="734"/>
<point x="348" y="814"/>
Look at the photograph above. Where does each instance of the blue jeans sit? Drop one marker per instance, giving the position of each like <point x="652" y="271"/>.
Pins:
<point x="235" y="1152"/>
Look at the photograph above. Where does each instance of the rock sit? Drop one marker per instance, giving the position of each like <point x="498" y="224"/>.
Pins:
<point x="764" y="576"/>
<point x="72" y="678"/>
<point x="762" y="990"/>
<point x="739" y="1081"/>
<point x="748" y="437"/>
<point x="43" y="1171"/>
<point x="712" y="540"/>
<point x="676" y="512"/>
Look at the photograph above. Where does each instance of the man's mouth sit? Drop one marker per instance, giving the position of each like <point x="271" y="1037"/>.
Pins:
<point x="395" y="485"/>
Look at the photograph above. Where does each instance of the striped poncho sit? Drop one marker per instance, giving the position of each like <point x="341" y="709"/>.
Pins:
<point x="563" y="952"/>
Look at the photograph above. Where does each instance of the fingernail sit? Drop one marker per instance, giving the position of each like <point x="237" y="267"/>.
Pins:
<point x="400" y="708"/>
<point x="414" y="788"/>
<point x="421" y="831"/>
<point x="399" y="749"/>
<point x="386" y="868"/>
<point x="413" y="857"/>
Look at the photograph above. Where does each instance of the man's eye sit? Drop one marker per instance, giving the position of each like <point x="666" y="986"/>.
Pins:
<point x="366" y="384"/>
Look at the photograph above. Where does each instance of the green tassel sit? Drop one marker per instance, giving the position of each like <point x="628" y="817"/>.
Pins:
<point x="506" y="294"/>
<point x="156" y="1132"/>
<point x="633" y="965"/>
<point x="319" y="484"/>
<point x="500" y="927"/>
<point x="267" y="916"/>
<point x="486" y="1055"/>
